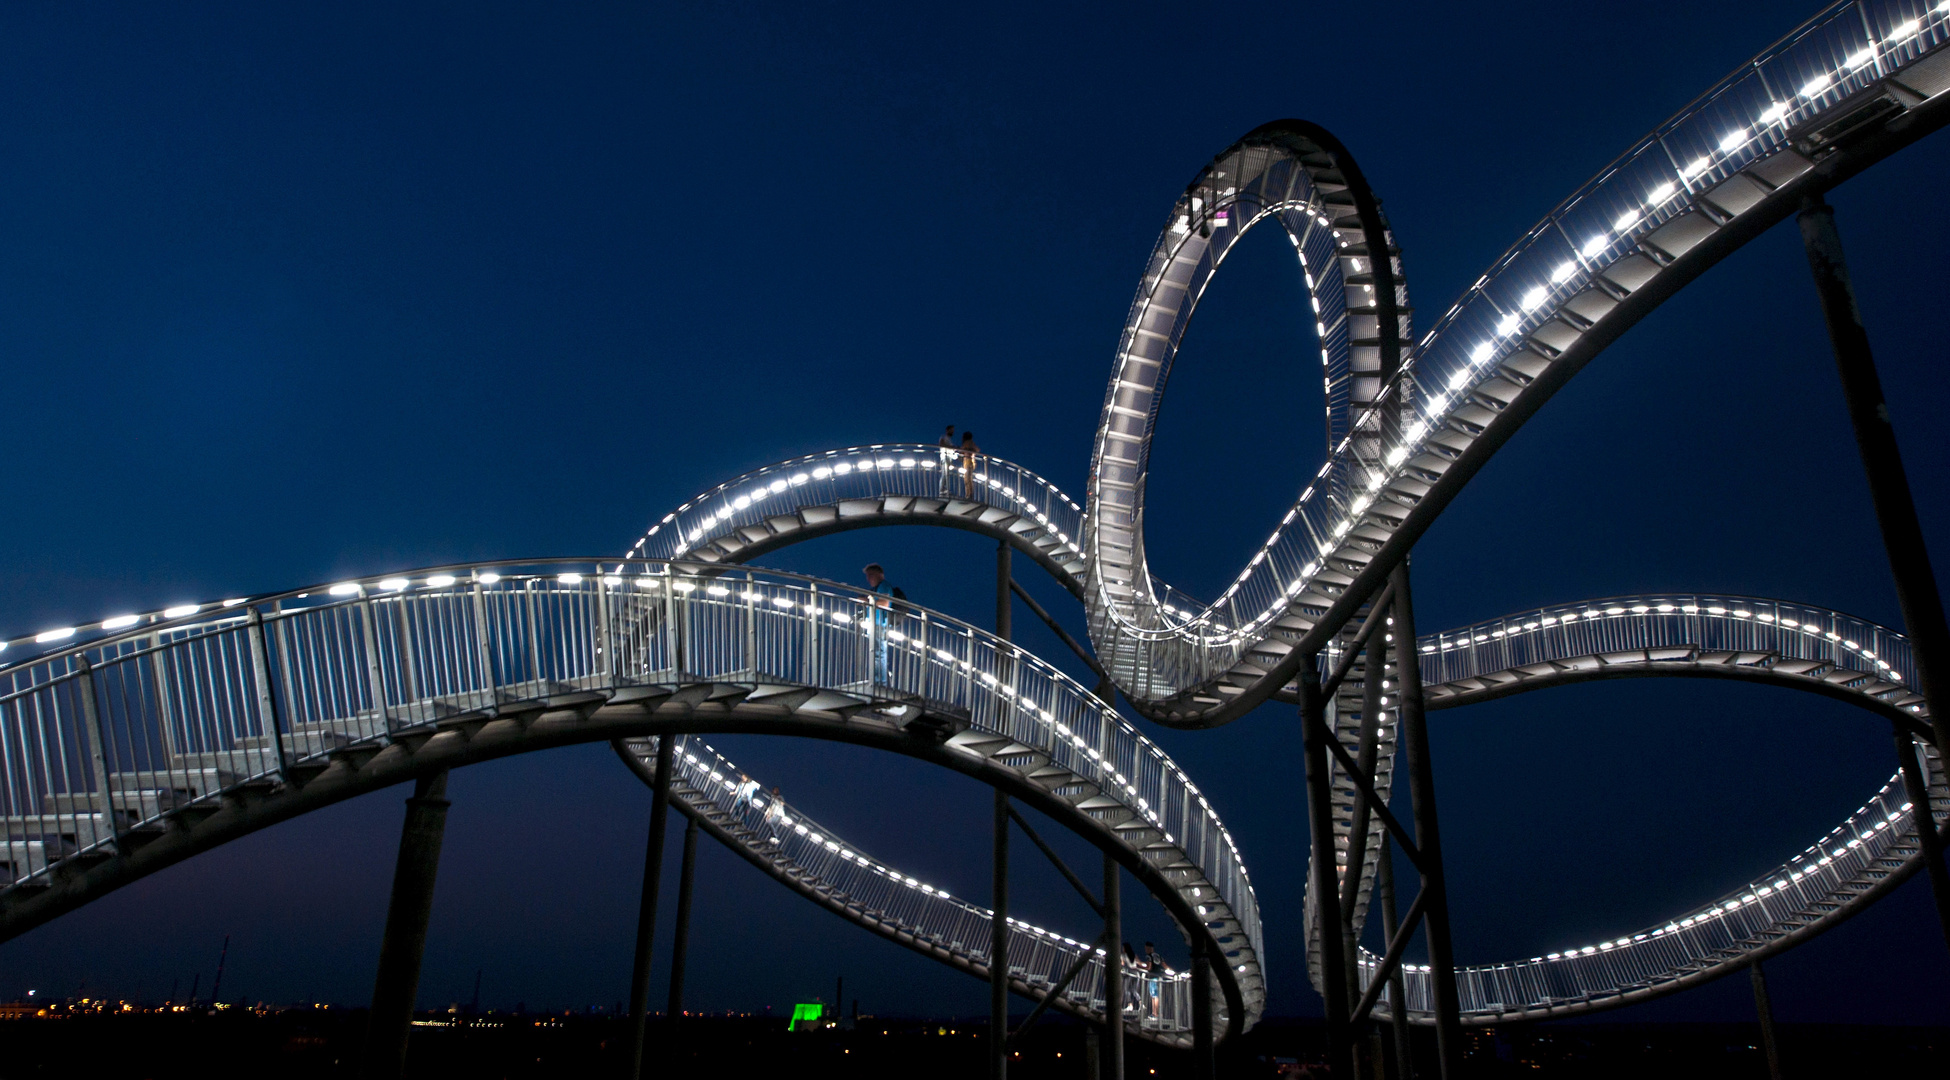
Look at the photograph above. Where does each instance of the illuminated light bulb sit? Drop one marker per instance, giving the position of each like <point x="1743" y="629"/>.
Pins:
<point x="1563" y="273"/>
<point x="1397" y="455"/>
<point x="1533" y="299"/>
<point x="1694" y="168"/>
<point x="1625" y="222"/>
<point x="822" y="473"/>
<point x="234" y="601"/>
<point x="612" y="579"/>
<point x="777" y="486"/>
<point x="741" y="502"/>
<point x="718" y="590"/>
<point x="441" y="581"/>
<point x="1734" y="141"/>
<point x="46" y="636"/>
<point x="799" y="478"/>
<point x="1904" y="30"/>
<point x="569" y="579"/>
<point x="119" y="621"/>
<point x="1860" y="59"/>
<point x="343" y="588"/>
<point x="394" y="584"/>
<point x="1816" y="85"/>
<point x="1506" y="325"/>
<point x="842" y="468"/>
<point x="1593" y="246"/>
<point x="1774" y="112"/>
<point x="1662" y="193"/>
<point x="648" y="583"/>
<point x="488" y="578"/>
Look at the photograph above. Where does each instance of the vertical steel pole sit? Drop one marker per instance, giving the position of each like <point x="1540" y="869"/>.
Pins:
<point x="267" y="698"/>
<point x="1766" y="1011"/>
<point x="1875" y="437"/>
<point x="646" y="917"/>
<point x="1397" y="988"/>
<point x="680" y="938"/>
<point x="98" y="756"/>
<point x="1917" y="786"/>
<point x="1002" y="598"/>
<point x="999" y="944"/>
<point x="1203" y="1066"/>
<point x="1113" y="970"/>
<point x="1428" y="837"/>
<point x="397" y="984"/>
<point x="1326" y="885"/>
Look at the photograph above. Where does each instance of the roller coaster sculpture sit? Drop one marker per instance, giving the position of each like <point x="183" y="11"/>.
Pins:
<point x="133" y="743"/>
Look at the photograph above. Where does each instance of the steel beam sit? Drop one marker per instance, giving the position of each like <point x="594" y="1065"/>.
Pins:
<point x="646" y="917"/>
<point x="1917" y="787"/>
<point x="1113" y="1048"/>
<point x="1428" y="839"/>
<point x="397" y="983"/>
<point x="1326" y="880"/>
<point x="999" y="932"/>
<point x="680" y="938"/>
<point x="1875" y="437"/>
<point x="1203" y="1065"/>
<point x="1766" y="1011"/>
<point x="1384" y="884"/>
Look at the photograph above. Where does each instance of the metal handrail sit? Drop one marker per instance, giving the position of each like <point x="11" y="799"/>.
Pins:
<point x="1483" y="350"/>
<point x="112" y="736"/>
<point x="818" y="863"/>
<point x="1823" y="884"/>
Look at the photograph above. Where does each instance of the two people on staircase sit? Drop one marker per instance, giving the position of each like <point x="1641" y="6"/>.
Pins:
<point x="881" y="595"/>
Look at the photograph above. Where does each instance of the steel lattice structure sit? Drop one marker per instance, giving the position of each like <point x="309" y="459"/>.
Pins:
<point x="133" y="743"/>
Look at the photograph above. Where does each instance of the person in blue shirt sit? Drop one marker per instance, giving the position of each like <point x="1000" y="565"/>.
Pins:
<point x="882" y="600"/>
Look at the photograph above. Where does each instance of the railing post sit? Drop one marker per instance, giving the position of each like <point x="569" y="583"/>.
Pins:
<point x="646" y="922"/>
<point x="1428" y="839"/>
<point x="1875" y="438"/>
<point x="376" y="680"/>
<point x="1113" y="970"/>
<point x="397" y="984"/>
<point x="483" y="646"/>
<point x="999" y="945"/>
<point x="267" y="702"/>
<point x="1326" y="886"/>
<point x="98" y="735"/>
<point x="1202" y="1062"/>
<point x="165" y="708"/>
<point x="751" y="625"/>
<point x="605" y="641"/>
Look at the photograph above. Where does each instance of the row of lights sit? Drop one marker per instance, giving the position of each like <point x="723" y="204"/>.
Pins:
<point x="730" y="505"/>
<point x="1532" y="300"/>
<point x="1807" y="629"/>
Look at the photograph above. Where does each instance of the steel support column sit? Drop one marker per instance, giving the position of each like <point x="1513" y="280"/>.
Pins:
<point x="646" y="917"/>
<point x="1766" y="1012"/>
<point x="1875" y="437"/>
<point x="1428" y="837"/>
<point x="999" y="941"/>
<point x="1917" y="787"/>
<point x="1326" y="885"/>
<point x="1002" y="579"/>
<point x="680" y="938"/>
<point x="1384" y="884"/>
<point x="1113" y="1056"/>
<point x="397" y="984"/>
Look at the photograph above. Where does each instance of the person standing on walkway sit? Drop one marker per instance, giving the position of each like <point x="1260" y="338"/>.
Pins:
<point x="1154" y="979"/>
<point x="880" y="596"/>
<point x="969" y="451"/>
<point x="774" y="815"/>
<point x="947" y="453"/>
<point x="747" y="787"/>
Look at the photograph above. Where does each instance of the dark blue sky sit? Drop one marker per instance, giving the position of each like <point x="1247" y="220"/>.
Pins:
<point x="290" y="295"/>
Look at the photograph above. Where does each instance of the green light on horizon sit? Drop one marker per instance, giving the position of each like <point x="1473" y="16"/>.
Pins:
<point x="811" y="1015"/>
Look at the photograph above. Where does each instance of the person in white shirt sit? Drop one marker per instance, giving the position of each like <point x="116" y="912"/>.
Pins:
<point x="747" y="787"/>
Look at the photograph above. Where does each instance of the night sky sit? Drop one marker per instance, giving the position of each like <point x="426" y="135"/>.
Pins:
<point x="292" y="295"/>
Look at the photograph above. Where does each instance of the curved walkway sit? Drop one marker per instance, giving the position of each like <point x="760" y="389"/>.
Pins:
<point x="168" y="735"/>
<point x="1711" y="636"/>
<point x="817" y="863"/>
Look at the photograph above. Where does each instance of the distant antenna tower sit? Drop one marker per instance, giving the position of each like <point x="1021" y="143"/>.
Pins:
<point x="216" y="987"/>
<point x="474" y="1006"/>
